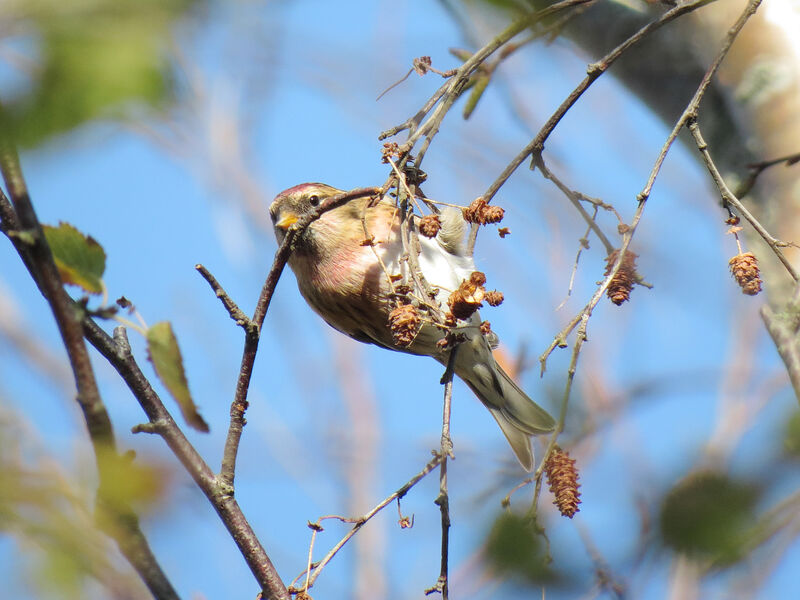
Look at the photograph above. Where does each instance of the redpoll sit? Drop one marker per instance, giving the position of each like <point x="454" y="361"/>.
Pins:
<point x="336" y="263"/>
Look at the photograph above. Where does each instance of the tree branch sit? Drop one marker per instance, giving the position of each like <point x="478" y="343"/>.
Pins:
<point x="253" y="328"/>
<point x="361" y="521"/>
<point x="594" y="71"/>
<point x="583" y="316"/>
<point x="115" y="515"/>
<point x="117" y="352"/>
<point x="443" y="499"/>
<point x="729" y="199"/>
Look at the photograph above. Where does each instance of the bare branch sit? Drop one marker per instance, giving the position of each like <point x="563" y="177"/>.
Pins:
<point x="240" y="404"/>
<point x="594" y="71"/>
<point x="361" y="521"/>
<point x="443" y="499"/>
<point x="759" y="167"/>
<point x="118" y="353"/>
<point x="582" y="318"/>
<point x="236" y="313"/>
<point x="729" y="199"/>
<point x="575" y="200"/>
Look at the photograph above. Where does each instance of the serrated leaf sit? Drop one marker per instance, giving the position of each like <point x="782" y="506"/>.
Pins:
<point x="79" y="258"/>
<point x="162" y="346"/>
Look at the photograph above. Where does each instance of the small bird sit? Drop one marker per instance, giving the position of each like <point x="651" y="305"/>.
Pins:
<point x="346" y="262"/>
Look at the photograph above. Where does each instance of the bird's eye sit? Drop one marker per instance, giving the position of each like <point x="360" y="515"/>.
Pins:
<point x="313" y="200"/>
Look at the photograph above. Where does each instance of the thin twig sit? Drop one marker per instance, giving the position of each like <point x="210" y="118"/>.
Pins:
<point x="395" y="84"/>
<point x="759" y="167"/>
<point x="459" y="81"/>
<point x="583" y="244"/>
<point x="252" y="334"/>
<point x="361" y="521"/>
<point x="606" y="580"/>
<point x="580" y="338"/>
<point x="691" y="109"/>
<point x="117" y="352"/>
<point x="236" y="313"/>
<point x="585" y="314"/>
<point x="413" y="122"/>
<point x="594" y="71"/>
<point x="729" y="199"/>
<point x="445" y="96"/>
<point x="443" y="499"/>
<point x="575" y="200"/>
<point x="421" y="67"/>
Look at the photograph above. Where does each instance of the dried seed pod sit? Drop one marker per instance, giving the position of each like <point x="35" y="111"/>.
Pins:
<point x="464" y="301"/>
<point x="494" y="298"/>
<point x="493" y="214"/>
<point x="744" y="268"/>
<point x="404" y="322"/>
<point x="480" y="212"/>
<point x="422" y="64"/>
<point x="619" y="290"/>
<point x="429" y="225"/>
<point x="389" y="150"/>
<point x="472" y="213"/>
<point x="477" y="278"/>
<point x="486" y="328"/>
<point x="562" y="476"/>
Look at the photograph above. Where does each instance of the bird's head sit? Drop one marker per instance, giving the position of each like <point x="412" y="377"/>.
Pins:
<point x="291" y="205"/>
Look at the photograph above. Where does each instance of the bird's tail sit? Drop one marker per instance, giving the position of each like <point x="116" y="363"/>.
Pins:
<point x="518" y="416"/>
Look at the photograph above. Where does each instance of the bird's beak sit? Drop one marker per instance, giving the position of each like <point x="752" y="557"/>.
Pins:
<point x="286" y="220"/>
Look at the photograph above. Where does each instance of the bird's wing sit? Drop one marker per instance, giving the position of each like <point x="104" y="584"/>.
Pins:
<point x="452" y="236"/>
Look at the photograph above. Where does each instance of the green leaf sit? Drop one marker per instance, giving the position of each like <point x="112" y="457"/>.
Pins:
<point x="791" y="436"/>
<point x="461" y="54"/>
<point x="480" y="84"/>
<point x="79" y="258"/>
<point x="516" y="547"/>
<point x="162" y="346"/>
<point x="96" y="59"/>
<point x="709" y="515"/>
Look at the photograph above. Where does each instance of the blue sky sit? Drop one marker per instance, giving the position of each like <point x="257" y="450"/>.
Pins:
<point x="301" y="78"/>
